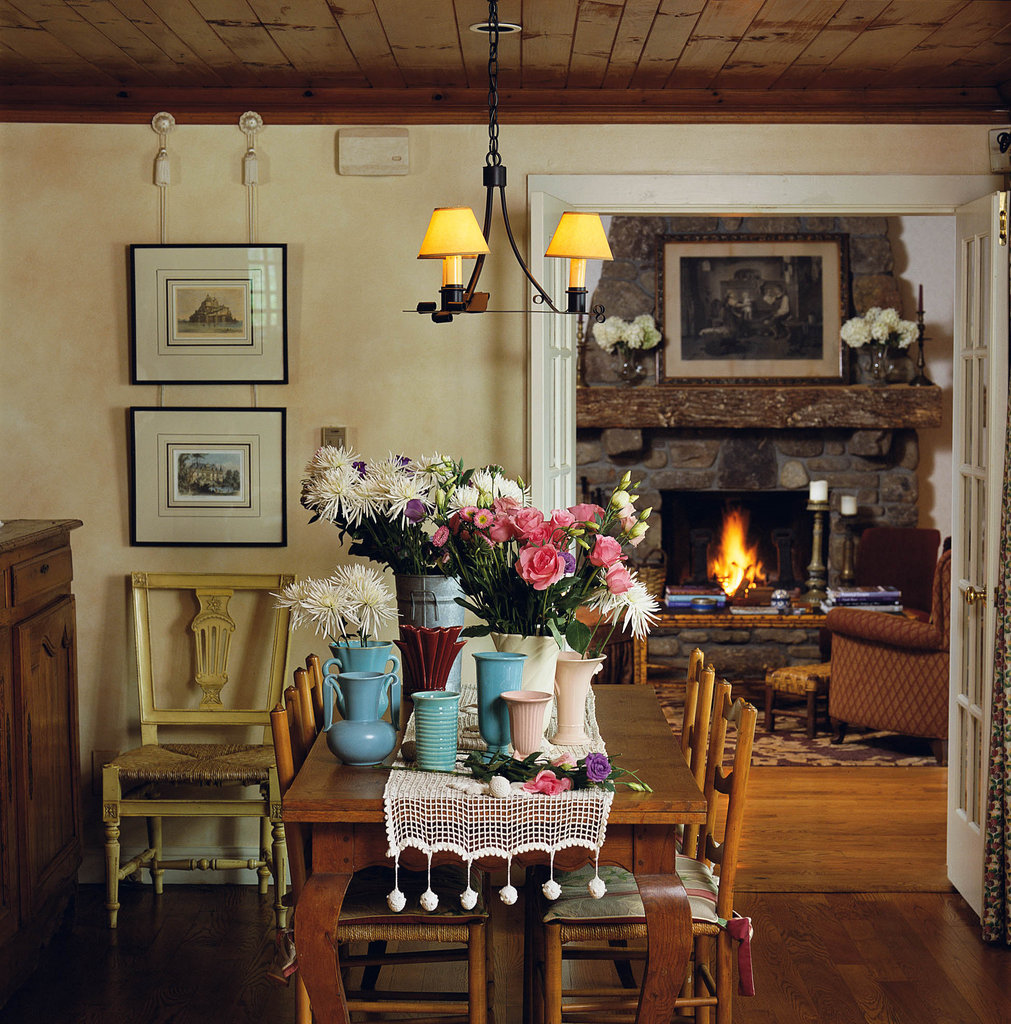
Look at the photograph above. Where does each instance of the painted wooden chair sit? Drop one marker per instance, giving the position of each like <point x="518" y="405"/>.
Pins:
<point x="708" y="877"/>
<point x="212" y="691"/>
<point x="365" y="917"/>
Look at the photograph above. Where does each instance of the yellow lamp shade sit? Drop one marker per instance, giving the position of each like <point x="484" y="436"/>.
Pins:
<point x="580" y="236"/>
<point x="452" y="231"/>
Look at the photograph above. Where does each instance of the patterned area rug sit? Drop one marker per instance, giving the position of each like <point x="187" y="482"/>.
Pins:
<point x="790" y="746"/>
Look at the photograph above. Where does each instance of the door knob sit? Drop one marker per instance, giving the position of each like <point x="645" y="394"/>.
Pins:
<point x="974" y="596"/>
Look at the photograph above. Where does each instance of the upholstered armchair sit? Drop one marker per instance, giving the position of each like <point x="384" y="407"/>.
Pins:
<point x="890" y="672"/>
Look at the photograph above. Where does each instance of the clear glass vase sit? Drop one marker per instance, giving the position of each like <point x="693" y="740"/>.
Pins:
<point x="879" y="367"/>
<point x="630" y="365"/>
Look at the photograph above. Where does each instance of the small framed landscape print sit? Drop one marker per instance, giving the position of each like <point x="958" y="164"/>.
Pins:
<point x="209" y="314"/>
<point x="756" y="309"/>
<point x="202" y="477"/>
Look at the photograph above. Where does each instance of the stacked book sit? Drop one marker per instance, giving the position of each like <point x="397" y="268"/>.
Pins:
<point x="679" y="598"/>
<point x="872" y="599"/>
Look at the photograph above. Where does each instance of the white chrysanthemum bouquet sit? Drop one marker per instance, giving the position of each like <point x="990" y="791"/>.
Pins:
<point x="615" y="334"/>
<point x="879" y="327"/>
<point x="353" y="604"/>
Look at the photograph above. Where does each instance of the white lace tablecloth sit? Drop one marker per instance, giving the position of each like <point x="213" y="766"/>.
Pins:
<point x="443" y="812"/>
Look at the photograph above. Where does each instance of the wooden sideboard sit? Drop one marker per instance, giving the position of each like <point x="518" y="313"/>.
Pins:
<point x="40" y="815"/>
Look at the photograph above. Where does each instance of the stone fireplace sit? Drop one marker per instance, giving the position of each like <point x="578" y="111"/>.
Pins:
<point x="758" y="446"/>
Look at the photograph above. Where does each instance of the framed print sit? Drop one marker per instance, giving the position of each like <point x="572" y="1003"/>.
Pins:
<point x="202" y="477"/>
<point x="209" y="314"/>
<point x="754" y="308"/>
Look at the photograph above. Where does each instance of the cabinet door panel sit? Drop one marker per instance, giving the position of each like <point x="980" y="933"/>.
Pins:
<point x="44" y="646"/>
<point x="8" y="812"/>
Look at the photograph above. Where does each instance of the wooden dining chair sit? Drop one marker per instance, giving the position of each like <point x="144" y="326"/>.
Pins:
<point x="708" y="877"/>
<point x="365" y="917"/>
<point x="696" y="661"/>
<point x="211" y="654"/>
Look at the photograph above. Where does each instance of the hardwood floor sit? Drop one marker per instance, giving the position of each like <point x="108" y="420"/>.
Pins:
<point x="854" y="922"/>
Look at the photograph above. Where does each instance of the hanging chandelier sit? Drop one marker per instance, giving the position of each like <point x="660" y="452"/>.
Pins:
<point x="453" y="233"/>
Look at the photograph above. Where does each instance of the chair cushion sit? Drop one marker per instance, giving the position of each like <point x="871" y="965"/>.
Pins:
<point x="365" y="900"/>
<point x="800" y="679"/>
<point x="196" y="763"/>
<point x="621" y="902"/>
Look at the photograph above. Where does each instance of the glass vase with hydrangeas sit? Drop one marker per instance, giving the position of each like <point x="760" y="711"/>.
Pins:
<point x="627" y="340"/>
<point x="386" y="507"/>
<point x="527" y="573"/>
<point x="878" y="330"/>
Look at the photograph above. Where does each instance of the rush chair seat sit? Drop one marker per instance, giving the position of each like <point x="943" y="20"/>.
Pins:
<point x="890" y="672"/>
<point x="619" y="918"/>
<point x="366" y="917"/>
<point x="213" y="689"/>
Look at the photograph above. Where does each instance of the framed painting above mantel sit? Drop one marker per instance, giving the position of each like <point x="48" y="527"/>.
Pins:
<point x="758" y="309"/>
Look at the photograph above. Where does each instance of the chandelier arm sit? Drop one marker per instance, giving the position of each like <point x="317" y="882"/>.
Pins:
<point x="489" y="205"/>
<point x="519" y="259"/>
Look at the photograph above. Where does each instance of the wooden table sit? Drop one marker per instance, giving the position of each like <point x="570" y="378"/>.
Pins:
<point x="344" y="806"/>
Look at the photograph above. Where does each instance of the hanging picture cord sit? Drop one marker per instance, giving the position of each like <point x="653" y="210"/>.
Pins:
<point x="250" y="124"/>
<point x="162" y="123"/>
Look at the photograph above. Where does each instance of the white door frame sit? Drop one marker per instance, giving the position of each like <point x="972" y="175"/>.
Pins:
<point x="691" y="195"/>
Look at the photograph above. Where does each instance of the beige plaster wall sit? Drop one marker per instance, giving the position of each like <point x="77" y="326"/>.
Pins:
<point x="73" y="197"/>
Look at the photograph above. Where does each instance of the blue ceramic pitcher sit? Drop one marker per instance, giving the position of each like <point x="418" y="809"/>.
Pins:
<point x="361" y="736"/>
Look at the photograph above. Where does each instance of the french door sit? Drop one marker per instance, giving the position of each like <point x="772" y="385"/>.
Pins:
<point x="980" y="411"/>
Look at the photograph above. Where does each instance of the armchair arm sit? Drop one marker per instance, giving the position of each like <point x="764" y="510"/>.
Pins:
<point x="885" y="628"/>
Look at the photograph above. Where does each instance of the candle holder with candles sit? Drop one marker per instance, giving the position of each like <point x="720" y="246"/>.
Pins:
<point x="816" y="584"/>
<point x="848" y="513"/>
<point x="921" y="380"/>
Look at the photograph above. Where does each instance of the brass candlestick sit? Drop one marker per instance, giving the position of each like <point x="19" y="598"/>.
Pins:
<point x="581" y="353"/>
<point x="848" y="573"/>
<point x="921" y="379"/>
<point x="815" y="590"/>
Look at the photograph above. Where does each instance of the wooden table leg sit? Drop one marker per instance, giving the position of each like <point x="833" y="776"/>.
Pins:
<point x="669" y="938"/>
<point x="316" y="944"/>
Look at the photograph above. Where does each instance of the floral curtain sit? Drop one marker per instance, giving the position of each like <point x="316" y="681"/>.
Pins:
<point x="996" y="918"/>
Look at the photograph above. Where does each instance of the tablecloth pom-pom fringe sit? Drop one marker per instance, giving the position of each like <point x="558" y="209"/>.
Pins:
<point x="396" y="901"/>
<point x="429" y="901"/>
<point x="468" y="899"/>
<point x="551" y="889"/>
<point x="507" y="894"/>
<point x="596" y="884"/>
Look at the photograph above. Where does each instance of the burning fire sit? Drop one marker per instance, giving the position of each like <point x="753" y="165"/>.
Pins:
<point x="735" y="563"/>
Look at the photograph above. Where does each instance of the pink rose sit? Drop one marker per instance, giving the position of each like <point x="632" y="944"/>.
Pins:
<point x="501" y="529"/>
<point x="506" y="505"/>
<point x="606" y="551"/>
<point x="548" y="783"/>
<point x="564" y="761"/>
<point x="440" y="536"/>
<point x="543" y="534"/>
<point x="526" y="520"/>
<point x="619" y="580"/>
<point x="562" y="518"/>
<point x="586" y="513"/>
<point x="540" y="566"/>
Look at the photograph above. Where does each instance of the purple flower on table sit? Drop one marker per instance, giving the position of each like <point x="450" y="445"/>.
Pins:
<point x="570" y="562"/>
<point x="598" y="768"/>
<point x="414" y="510"/>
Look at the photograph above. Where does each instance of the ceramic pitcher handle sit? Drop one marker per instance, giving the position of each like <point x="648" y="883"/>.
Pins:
<point x="395" y="699"/>
<point x="396" y="663"/>
<point x="332" y="666"/>
<point x="331" y="692"/>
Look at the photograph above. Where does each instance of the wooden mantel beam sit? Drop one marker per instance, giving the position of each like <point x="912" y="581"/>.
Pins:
<point x="332" y="105"/>
<point x="761" y="407"/>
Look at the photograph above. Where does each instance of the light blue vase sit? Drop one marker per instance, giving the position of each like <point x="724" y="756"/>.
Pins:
<point x="497" y="671"/>
<point x="374" y="656"/>
<point x="361" y="736"/>
<point x="436" y="718"/>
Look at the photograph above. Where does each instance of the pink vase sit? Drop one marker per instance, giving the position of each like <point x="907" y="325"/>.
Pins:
<point x="526" y="719"/>
<point x="572" y="683"/>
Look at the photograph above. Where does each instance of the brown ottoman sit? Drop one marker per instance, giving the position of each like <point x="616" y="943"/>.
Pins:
<point x="807" y="681"/>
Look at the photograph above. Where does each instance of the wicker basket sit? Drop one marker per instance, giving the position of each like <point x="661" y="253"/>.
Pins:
<point x="652" y="571"/>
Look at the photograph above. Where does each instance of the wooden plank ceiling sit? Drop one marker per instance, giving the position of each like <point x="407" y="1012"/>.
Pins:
<point x="594" y="61"/>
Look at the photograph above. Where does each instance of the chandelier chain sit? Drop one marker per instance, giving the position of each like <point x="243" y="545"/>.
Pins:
<point x="493" y="159"/>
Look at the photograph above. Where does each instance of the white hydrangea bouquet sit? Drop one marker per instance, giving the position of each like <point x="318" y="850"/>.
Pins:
<point x="879" y="329"/>
<point x="617" y="335"/>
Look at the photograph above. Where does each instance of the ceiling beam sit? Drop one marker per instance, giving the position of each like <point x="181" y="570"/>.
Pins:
<point x="52" y="104"/>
